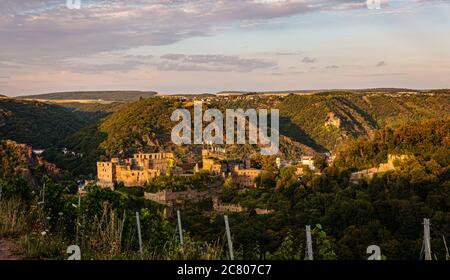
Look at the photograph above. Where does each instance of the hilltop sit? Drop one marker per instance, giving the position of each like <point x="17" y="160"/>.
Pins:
<point x="87" y="96"/>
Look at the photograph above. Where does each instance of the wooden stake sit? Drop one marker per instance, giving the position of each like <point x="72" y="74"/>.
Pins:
<point x="230" y="243"/>
<point x="309" y="243"/>
<point x="426" y="239"/>
<point x="180" y="229"/>
<point x="138" y="223"/>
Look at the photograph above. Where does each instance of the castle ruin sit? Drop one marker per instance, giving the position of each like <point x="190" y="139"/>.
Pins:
<point x="135" y="171"/>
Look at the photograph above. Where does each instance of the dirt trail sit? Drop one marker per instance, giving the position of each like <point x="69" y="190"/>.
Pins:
<point x="7" y="249"/>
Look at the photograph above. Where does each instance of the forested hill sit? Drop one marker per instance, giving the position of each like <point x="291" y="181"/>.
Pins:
<point x="428" y="141"/>
<point x="317" y="122"/>
<point x="38" y="124"/>
<point x="329" y="118"/>
<point x="308" y="123"/>
<point x="93" y="95"/>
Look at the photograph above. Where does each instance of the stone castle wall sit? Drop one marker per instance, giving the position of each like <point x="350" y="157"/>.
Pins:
<point x="384" y="167"/>
<point x="169" y="197"/>
<point x="219" y="206"/>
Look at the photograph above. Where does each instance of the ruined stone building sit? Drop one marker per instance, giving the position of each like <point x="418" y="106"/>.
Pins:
<point x="333" y="120"/>
<point x="213" y="160"/>
<point x="245" y="177"/>
<point x="135" y="171"/>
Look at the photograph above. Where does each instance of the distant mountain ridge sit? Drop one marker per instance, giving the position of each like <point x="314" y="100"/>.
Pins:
<point x="314" y="91"/>
<point x="134" y="95"/>
<point x="93" y="95"/>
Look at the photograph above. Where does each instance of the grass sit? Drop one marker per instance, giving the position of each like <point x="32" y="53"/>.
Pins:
<point x="102" y="238"/>
<point x="13" y="219"/>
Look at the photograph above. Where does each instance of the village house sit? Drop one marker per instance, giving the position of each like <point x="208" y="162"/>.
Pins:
<point x="135" y="171"/>
<point x="308" y="161"/>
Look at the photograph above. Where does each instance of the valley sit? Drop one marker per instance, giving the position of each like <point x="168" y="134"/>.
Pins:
<point x="77" y="165"/>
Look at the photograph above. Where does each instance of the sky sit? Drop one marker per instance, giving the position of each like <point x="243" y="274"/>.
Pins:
<point x="199" y="46"/>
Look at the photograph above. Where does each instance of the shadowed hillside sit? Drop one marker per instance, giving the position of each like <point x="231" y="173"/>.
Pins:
<point x="328" y="118"/>
<point x="38" y="124"/>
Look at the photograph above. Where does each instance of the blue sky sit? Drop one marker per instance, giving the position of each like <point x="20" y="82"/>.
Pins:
<point x="179" y="46"/>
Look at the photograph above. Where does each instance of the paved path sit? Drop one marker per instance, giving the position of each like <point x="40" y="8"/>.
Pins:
<point x="7" y="248"/>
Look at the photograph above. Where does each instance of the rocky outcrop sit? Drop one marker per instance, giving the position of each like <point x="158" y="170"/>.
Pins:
<point x="333" y="120"/>
<point x="18" y="160"/>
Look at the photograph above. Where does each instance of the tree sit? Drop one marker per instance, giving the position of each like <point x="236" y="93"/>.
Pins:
<point x="265" y="180"/>
<point x="320" y="162"/>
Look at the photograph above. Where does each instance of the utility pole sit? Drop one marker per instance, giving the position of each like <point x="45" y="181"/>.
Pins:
<point x="426" y="239"/>
<point x="309" y="243"/>
<point x="180" y="229"/>
<point x="230" y="243"/>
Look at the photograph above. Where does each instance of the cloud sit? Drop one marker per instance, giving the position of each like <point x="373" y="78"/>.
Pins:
<point x="173" y="56"/>
<point x="125" y="66"/>
<point x="37" y="28"/>
<point x="44" y="36"/>
<point x="214" y="63"/>
<point x="288" y="53"/>
<point x="308" y="59"/>
<point x="386" y="74"/>
<point x="381" y="63"/>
